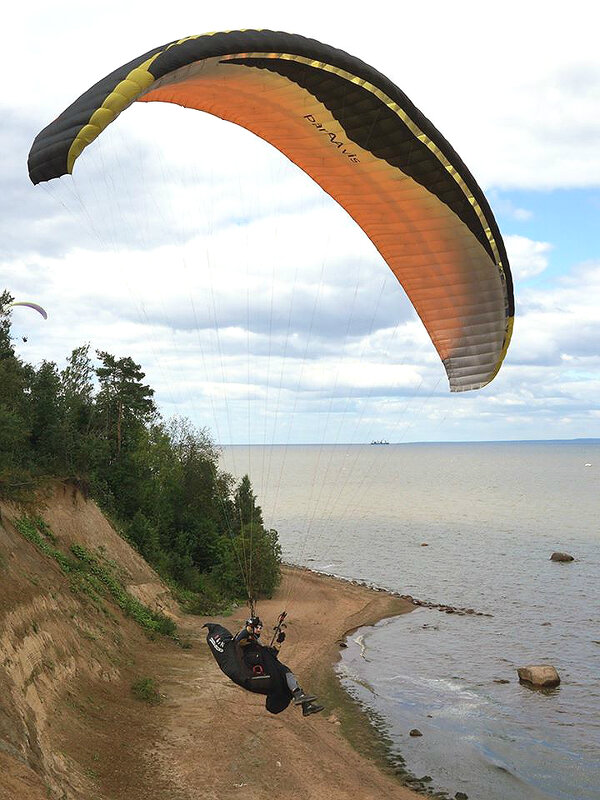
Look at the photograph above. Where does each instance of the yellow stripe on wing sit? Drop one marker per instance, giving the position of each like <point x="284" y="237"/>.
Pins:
<point x="122" y="96"/>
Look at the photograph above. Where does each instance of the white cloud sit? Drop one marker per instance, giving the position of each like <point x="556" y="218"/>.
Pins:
<point x="527" y="258"/>
<point x="522" y="214"/>
<point x="503" y="205"/>
<point x="520" y="103"/>
<point x="245" y="281"/>
<point x="560" y="326"/>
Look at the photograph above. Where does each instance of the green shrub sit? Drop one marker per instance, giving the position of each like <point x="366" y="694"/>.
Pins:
<point x="99" y="575"/>
<point x="93" y="578"/>
<point x="250" y="563"/>
<point x="34" y="530"/>
<point x="146" y="689"/>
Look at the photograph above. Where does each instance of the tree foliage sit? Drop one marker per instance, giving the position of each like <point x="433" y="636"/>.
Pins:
<point x="96" y="425"/>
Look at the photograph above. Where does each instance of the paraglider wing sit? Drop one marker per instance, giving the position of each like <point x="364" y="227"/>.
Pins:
<point x="363" y="141"/>
<point x="35" y="307"/>
<point x="269" y="680"/>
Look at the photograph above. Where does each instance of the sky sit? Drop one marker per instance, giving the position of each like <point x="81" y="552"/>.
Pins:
<point x="254" y="304"/>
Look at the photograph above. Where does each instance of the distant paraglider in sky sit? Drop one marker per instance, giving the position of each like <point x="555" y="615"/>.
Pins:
<point x="362" y="140"/>
<point x="34" y="306"/>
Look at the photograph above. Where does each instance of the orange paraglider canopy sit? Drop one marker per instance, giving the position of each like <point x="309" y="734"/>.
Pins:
<point x="363" y="141"/>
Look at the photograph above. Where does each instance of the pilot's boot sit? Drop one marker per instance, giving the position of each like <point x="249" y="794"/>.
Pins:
<point x="310" y="708"/>
<point x="300" y="697"/>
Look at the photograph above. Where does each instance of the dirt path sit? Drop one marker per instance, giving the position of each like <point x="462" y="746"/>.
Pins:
<point x="217" y="741"/>
<point x="73" y="728"/>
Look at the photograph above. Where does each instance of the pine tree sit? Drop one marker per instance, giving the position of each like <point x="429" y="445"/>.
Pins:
<point x="15" y="409"/>
<point x="47" y="428"/>
<point x="124" y="402"/>
<point x="246" y="511"/>
<point x="77" y="394"/>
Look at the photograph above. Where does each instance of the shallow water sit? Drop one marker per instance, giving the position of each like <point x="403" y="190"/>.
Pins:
<point x="491" y="515"/>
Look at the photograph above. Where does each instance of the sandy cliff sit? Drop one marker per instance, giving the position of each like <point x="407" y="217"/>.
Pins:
<point x="56" y="645"/>
<point x="71" y="728"/>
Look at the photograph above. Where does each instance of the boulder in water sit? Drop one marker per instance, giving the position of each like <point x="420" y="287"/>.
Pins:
<point x="561" y="557"/>
<point x="415" y="732"/>
<point x="539" y="675"/>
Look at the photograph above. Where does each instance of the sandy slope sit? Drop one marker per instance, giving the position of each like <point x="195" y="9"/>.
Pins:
<point x="66" y="665"/>
<point x="71" y="729"/>
<point x="217" y="741"/>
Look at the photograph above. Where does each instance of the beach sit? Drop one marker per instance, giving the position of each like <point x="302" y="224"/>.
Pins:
<point x="490" y="514"/>
<point x="74" y="727"/>
<point x="218" y="741"/>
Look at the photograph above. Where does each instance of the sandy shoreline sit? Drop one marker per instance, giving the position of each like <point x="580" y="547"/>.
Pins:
<point x="217" y="741"/>
<point x="72" y="726"/>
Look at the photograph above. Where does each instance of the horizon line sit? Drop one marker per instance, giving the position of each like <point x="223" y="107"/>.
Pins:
<point x="575" y="440"/>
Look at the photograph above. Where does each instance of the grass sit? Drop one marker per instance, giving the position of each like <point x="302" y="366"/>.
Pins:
<point x="93" y="577"/>
<point x="36" y="531"/>
<point x="100" y="577"/>
<point x="146" y="689"/>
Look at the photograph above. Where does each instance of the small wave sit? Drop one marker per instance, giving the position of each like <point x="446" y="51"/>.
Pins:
<point x="360" y="641"/>
<point x="452" y="686"/>
<point x="444" y="684"/>
<point x="493" y="759"/>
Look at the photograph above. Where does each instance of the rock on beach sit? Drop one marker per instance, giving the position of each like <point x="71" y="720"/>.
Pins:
<point x="561" y="557"/>
<point x="541" y="675"/>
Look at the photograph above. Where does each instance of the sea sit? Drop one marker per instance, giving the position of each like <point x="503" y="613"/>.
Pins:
<point x="470" y="526"/>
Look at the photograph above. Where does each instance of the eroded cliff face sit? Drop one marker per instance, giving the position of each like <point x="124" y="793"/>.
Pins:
<point x="68" y="655"/>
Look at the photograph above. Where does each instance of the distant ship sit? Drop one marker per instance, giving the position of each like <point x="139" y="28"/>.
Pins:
<point x="381" y="441"/>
